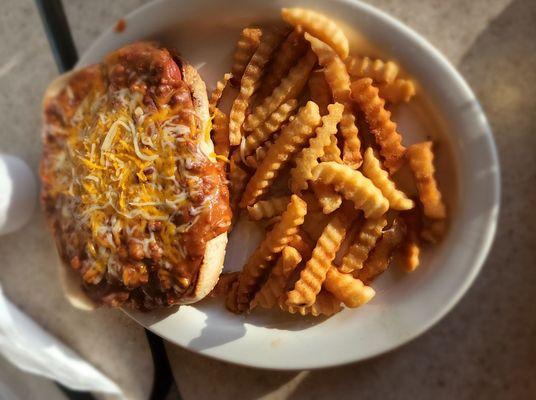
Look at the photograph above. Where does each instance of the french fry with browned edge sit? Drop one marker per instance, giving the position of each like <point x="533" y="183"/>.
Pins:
<point x="292" y="138"/>
<point x="410" y="249"/>
<point x="366" y="239"/>
<point x="303" y="243"/>
<point x="292" y="49"/>
<point x="319" y="90"/>
<point x="303" y="175"/>
<point x="269" y="208"/>
<point x="354" y="186"/>
<point x="220" y="126"/>
<point x="314" y="273"/>
<point x="332" y="151"/>
<point x="224" y="285"/>
<point x="378" y="70"/>
<point x="246" y="46"/>
<point x="265" y="131"/>
<point x="339" y="82"/>
<point x="319" y="26"/>
<point x="327" y="197"/>
<point x="365" y="94"/>
<point x="372" y="169"/>
<point x="307" y="159"/>
<point x="399" y="91"/>
<point x="289" y="88"/>
<point x="349" y="290"/>
<point x="250" y="82"/>
<point x="218" y="91"/>
<point x="325" y="304"/>
<point x="274" y="242"/>
<point x="274" y="287"/>
<point x="421" y="161"/>
<point x="238" y="178"/>
<point x="380" y="257"/>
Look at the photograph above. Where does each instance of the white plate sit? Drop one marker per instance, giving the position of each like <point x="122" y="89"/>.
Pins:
<point x="406" y="305"/>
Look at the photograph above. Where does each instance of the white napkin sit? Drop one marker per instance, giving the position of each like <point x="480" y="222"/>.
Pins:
<point x="32" y="349"/>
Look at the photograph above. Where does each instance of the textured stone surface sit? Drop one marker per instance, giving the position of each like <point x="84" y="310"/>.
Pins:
<point x="484" y="349"/>
<point x="15" y="384"/>
<point x="107" y="338"/>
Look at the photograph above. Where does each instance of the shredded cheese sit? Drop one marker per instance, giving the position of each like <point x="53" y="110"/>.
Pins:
<point x="127" y="166"/>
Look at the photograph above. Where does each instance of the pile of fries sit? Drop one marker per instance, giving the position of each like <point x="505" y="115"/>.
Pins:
<point x="312" y="154"/>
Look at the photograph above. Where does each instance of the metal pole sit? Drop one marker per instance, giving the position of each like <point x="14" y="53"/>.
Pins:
<point x="58" y="33"/>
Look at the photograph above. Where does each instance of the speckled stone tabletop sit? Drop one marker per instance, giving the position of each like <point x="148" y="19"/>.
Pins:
<point x="484" y="349"/>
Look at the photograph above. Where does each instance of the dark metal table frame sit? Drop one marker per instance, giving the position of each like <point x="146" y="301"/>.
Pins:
<point x="66" y="56"/>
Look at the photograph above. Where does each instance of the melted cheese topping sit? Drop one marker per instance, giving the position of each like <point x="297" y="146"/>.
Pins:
<point x="124" y="167"/>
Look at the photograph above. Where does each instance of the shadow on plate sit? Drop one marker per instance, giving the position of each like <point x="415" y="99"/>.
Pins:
<point x="222" y="326"/>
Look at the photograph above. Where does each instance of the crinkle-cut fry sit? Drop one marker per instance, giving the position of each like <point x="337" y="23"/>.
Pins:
<point x="292" y="261"/>
<point x="314" y="223"/>
<point x="351" y="154"/>
<point x="302" y="242"/>
<point x="272" y="221"/>
<point x="373" y="170"/>
<point x="379" y="119"/>
<point x="274" y="286"/>
<point x="250" y="82"/>
<point x="251" y="161"/>
<point x="260" y="154"/>
<point x="319" y="26"/>
<point x="264" y="132"/>
<point x="380" y="257"/>
<point x="354" y="186"/>
<point x="316" y="220"/>
<point x="246" y="46"/>
<point x="332" y="151"/>
<point x="319" y="90"/>
<point x="307" y="159"/>
<point x="292" y="48"/>
<point x="314" y="273"/>
<point x="421" y="161"/>
<point x="231" y="299"/>
<point x="366" y="239"/>
<point x="273" y="243"/>
<point x="433" y="230"/>
<point x="292" y="138"/>
<point x="378" y="70"/>
<point x="401" y="90"/>
<point x="238" y="178"/>
<point x="410" y="249"/>
<point x="312" y="202"/>
<point x="328" y="198"/>
<point x="269" y="208"/>
<point x="339" y="81"/>
<point x="220" y="125"/>
<point x="254" y="160"/>
<point x="335" y="72"/>
<point x="218" y="91"/>
<point x="289" y="88"/>
<point x="224" y="284"/>
<point x="325" y="304"/>
<point x="349" y="290"/>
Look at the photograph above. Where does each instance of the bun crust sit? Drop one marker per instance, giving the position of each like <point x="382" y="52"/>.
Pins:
<point x="212" y="265"/>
